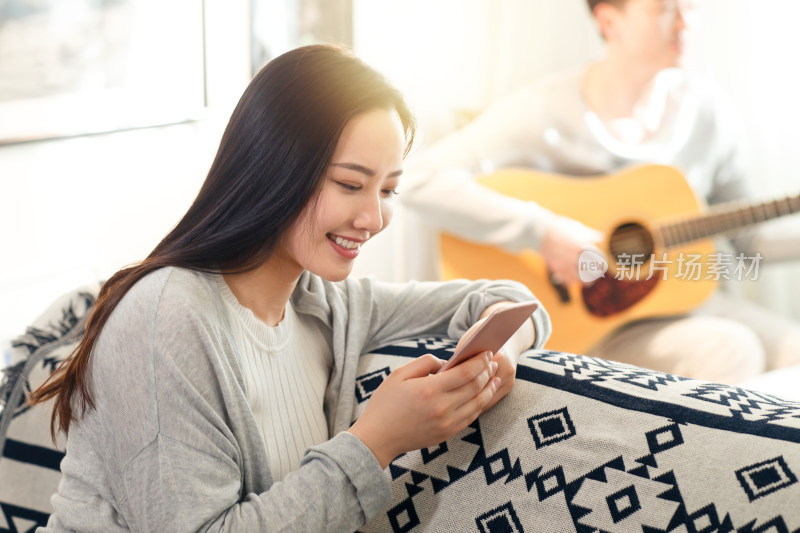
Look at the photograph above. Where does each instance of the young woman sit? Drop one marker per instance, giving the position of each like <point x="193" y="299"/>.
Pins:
<point x="214" y="387"/>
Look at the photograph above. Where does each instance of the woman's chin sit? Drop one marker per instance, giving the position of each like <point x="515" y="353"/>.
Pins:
<point x="334" y="276"/>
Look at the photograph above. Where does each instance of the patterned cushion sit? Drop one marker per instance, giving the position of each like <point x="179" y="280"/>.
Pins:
<point x="583" y="444"/>
<point x="580" y="444"/>
<point x="30" y="460"/>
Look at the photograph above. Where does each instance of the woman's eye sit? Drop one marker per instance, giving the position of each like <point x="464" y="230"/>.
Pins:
<point x="389" y="192"/>
<point x="349" y="186"/>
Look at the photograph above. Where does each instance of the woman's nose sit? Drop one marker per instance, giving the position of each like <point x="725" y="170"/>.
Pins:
<point x="370" y="215"/>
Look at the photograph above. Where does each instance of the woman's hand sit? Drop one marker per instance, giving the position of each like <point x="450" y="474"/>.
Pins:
<point x="415" y="408"/>
<point x="506" y="360"/>
<point x="506" y="357"/>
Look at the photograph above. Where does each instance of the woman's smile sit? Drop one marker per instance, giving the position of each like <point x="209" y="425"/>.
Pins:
<point x="345" y="247"/>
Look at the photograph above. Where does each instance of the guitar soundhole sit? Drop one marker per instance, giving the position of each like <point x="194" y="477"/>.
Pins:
<point x="630" y="245"/>
<point x="631" y="240"/>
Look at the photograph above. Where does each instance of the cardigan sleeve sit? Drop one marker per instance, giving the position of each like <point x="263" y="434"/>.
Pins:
<point x="173" y="486"/>
<point x="449" y="308"/>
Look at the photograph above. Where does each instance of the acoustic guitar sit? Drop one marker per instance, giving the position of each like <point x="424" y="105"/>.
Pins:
<point x="658" y="248"/>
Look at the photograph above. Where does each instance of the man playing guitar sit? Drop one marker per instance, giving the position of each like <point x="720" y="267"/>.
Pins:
<point x="632" y="107"/>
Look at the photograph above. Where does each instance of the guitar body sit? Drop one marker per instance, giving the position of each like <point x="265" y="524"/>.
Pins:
<point x="633" y="199"/>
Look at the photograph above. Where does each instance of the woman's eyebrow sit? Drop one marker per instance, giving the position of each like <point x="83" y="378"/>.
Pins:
<point x="365" y="170"/>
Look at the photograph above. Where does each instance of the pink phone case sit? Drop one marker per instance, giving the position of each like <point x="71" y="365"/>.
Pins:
<point x="493" y="333"/>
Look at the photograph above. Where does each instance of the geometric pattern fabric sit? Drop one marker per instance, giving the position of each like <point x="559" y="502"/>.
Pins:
<point x="588" y="445"/>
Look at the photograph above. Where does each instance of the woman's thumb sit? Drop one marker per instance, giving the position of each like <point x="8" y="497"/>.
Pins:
<point x="420" y="367"/>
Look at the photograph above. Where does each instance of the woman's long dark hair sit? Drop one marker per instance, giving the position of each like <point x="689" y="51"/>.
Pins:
<point x="270" y="164"/>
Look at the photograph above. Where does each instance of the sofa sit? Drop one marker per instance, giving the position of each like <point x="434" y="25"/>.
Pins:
<point x="580" y="444"/>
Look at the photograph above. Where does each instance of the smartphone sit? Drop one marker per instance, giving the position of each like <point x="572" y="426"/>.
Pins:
<point x="493" y="332"/>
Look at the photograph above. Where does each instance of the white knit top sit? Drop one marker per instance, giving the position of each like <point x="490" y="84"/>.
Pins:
<point x="286" y="370"/>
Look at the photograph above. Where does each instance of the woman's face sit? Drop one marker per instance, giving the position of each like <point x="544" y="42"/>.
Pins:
<point x="356" y="200"/>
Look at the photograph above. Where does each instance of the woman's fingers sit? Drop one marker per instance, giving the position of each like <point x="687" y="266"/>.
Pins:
<point x="470" y="410"/>
<point x="472" y="388"/>
<point x="432" y="407"/>
<point x="419" y="367"/>
<point x="479" y="384"/>
<point x="506" y="373"/>
<point x="456" y="377"/>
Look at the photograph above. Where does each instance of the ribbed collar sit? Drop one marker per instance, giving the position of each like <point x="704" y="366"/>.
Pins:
<point x="272" y="338"/>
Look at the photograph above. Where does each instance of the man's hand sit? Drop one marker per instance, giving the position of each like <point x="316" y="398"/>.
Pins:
<point x="562" y="245"/>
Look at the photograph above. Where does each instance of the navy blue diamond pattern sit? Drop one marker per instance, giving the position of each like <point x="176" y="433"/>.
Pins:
<point x="765" y="477"/>
<point x="548" y="483"/>
<point x="747" y="404"/>
<point x="500" y="520"/>
<point x="497" y="466"/>
<point x="592" y="369"/>
<point x="403" y="517"/>
<point x="706" y="520"/>
<point x="551" y="427"/>
<point x="623" y="503"/>
<point x="366" y="384"/>
<point x="626" y="490"/>
<point x="663" y="439"/>
<point x="432" y="452"/>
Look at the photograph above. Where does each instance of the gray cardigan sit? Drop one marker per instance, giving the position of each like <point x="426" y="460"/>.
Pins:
<point x="172" y="444"/>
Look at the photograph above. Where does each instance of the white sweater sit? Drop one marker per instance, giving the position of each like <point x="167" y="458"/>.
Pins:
<point x="286" y="370"/>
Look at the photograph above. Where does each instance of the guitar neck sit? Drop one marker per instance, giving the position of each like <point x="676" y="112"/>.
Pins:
<point x="726" y="219"/>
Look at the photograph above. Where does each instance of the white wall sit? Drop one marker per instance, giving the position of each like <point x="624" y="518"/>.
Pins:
<point x="748" y="46"/>
<point x="75" y="210"/>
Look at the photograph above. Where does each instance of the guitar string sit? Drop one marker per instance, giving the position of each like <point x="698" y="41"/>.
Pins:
<point x="717" y="221"/>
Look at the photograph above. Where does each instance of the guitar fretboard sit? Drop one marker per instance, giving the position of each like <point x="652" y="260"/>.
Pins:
<point x="726" y="218"/>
